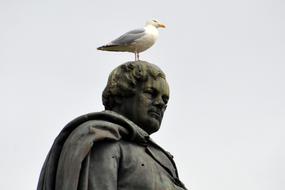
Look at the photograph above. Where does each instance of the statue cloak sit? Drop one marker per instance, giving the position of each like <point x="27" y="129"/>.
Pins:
<point x="67" y="163"/>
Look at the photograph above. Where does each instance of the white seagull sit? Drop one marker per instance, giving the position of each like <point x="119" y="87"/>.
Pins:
<point x="135" y="41"/>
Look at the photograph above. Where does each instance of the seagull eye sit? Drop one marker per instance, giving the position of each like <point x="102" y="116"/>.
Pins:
<point x="154" y="20"/>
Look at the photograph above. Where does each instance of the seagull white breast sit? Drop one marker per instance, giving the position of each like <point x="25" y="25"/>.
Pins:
<point x="146" y="41"/>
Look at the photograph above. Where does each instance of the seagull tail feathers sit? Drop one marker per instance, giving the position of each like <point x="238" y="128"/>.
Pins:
<point x="109" y="48"/>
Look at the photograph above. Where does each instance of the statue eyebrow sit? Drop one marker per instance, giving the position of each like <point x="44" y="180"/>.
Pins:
<point x="149" y="88"/>
<point x="164" y="96"/>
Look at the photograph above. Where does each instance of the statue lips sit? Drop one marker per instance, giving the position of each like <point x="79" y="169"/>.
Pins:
<point x="156" y="114"/>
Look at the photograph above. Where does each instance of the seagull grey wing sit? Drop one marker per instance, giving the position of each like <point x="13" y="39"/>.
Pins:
<point x="129" y="37"/>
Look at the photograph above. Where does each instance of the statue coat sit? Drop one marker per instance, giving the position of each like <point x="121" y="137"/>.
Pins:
<point x="106" y="151"/>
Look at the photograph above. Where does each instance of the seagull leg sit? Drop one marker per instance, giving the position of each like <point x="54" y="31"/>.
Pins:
<point x="137" y="56"/>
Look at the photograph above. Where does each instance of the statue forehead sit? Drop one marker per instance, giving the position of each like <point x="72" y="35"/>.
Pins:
<point x="159" y="83"/>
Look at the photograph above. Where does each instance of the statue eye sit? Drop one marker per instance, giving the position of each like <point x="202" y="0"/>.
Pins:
<point x="151" y="92"/>
<point x="165" y="99"/>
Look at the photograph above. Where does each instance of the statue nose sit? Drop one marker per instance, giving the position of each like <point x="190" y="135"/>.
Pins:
<point x="159" y="102"/>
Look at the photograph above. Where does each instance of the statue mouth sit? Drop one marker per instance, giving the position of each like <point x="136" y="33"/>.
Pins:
<point x="156" y="114"/>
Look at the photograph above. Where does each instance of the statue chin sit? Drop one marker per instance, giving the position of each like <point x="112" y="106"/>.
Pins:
<point x="151" y="126"/>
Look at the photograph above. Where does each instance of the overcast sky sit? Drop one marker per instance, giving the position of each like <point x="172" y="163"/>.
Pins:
<point x="224" y="61"/>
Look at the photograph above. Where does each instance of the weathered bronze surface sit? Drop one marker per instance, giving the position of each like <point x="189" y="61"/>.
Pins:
<point x="112" y="149"/>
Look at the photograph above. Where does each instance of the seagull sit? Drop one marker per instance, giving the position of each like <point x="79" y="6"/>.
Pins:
<point x="135" y="41"/>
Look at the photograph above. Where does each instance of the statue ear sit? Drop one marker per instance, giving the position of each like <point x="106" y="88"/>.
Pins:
<point x="117" y="101"/>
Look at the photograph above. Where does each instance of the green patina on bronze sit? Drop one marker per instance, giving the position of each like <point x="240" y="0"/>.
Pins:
<point x="124" y="79"/>
<point x="112" y="149"/>
<point x="135" y="89"/>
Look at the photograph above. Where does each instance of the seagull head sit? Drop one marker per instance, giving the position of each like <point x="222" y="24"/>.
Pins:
<point x="155" y="23"/>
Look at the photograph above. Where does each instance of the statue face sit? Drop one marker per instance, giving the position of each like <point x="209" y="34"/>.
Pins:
<point x="146" y="107"/>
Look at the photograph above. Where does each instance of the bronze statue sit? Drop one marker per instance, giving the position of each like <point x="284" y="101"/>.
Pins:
<point x="112" y="150"/>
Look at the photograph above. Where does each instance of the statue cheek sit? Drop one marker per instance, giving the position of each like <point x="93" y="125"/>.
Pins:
<point x="146" y="99"/>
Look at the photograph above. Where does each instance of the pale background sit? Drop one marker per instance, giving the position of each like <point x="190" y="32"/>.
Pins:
<point x="224" y="60"/>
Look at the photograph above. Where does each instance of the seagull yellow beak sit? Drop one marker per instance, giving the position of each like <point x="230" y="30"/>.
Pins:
<point x="161" y="25"/>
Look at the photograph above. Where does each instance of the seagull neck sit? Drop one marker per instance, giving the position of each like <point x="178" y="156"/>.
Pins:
<point x="150" y="26"/>
<point x="151" y="29"/>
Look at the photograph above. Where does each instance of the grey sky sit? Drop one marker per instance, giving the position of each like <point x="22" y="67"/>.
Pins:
<point x="224" y="61"/>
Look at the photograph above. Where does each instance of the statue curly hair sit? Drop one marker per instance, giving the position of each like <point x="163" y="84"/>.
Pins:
<point x="124" y="79"/>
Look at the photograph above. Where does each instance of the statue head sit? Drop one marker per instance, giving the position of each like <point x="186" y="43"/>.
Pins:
<point x="139" y="91"/>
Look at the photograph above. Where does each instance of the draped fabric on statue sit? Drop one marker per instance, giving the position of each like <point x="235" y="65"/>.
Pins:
<point x="66" y="165"/>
